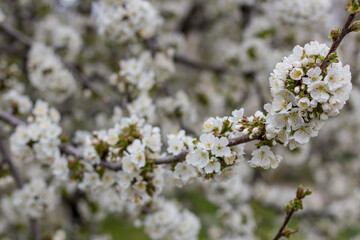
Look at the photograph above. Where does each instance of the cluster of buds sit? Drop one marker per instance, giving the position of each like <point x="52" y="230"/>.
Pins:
<point x="254" y="126"/>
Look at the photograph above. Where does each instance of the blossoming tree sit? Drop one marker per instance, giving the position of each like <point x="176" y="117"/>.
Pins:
<point x="125" y="108"/>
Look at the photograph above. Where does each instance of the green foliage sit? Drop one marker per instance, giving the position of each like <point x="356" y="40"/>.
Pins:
<point x="120" y="228"/>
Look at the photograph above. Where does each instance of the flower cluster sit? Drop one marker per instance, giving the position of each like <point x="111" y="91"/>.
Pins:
<point x="265" y="158"/>
<point x="235" y="215"/>
<point x="236" y="223"/>
<point x="177" y="106"/>
<point x="223" y="51"/>
<point x="304" y="95"/>
<point x="169" y="222"/>
<point x="39" y="140"/>
<point x="47" y="73"/>
<point x="132" y="144"/>
<point x="13" y="101"/>
<point x="300" y="11"/>
<point x="182" y="173"/>
<point x="143" y="107"/>
<point x="142" y="73"/>
<point x="126" y="20"/>
<point x="59" y="36"/>
<point x="211" y="153"/>
<point x="34" y="200"/>
<point x="134" y="74"/>
<point x="234" y="190"/>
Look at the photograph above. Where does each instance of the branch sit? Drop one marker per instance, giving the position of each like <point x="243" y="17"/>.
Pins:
<point x="71" y="150"/>
<point x="284" y="225"/>
<point x="243" y="139"/>
<point x="16" y="34"/>
<point x="6" y="158"/>
<point x="11" y="119"/>
<point x="35" y="229"/>
<point x="34" y="226"/>
<point x="172" y="159"/>
<point x="199" y="65"/>
<point x="345" y="31"/>
<point x="292" y="207"/>
<point x="87" y="84"/>
<point x="153" y="47"/>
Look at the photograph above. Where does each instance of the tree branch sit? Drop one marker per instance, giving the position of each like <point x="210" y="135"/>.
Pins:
<point x="243" y="139"/>
<point x="71" y="150"/>
<point x="35" y="229"/>
<point x="7" y="117"/>
<point x="345" y="31"/>
<point x="293" y="206"/>
<point x="16" y="34"/>
<point x="153" y="47"/>
<point x="284" y="225"/>
<point x="199" y="65"/>
<point x="6" y="158"/>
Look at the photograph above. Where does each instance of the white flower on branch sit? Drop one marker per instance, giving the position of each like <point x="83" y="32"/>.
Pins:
<point x="48" y="75"/>
<point x="125" y="20"/>
<point x="170" y="223"/>
<point x="307" y="96"/>
<point x="34" y="200"/>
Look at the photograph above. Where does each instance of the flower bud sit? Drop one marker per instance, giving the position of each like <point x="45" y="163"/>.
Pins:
<point x="335" y="33"/>
<point x="353" y="7"/>
<point x="355" y="27"/>
<point x="297" y="89"/>
<point x="256" y="130"/>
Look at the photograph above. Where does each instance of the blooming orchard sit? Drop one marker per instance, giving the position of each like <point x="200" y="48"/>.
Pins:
<point x="182" y="119"/>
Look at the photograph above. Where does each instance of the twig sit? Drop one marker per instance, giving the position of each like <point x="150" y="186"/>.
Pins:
<point x="153" y="47"/>
<point x="243" y="139"/>
<point x="172" y="159"/>
<point x="111" y="165"/>
<point x="292" y="207"/>
<point x="35" y="229"/>
<point x="10" y="118"/>
<point x="6" y="157"/>
<point x="71" y="150"/>
<point x="345" y="31"/>
<point x="16" y="34"/>
<point x="284" y="225"/>
<point x="87" y="84"/>
<point x="199" y="65"/>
